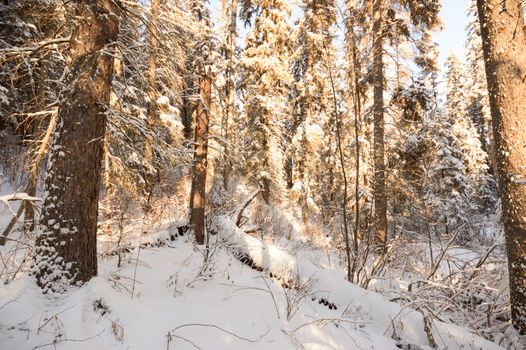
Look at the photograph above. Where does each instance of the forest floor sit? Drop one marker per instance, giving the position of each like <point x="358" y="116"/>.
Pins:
<point x="244" y="293"/>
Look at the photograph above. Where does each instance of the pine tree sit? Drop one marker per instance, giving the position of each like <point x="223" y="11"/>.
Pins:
<point x="151" y="111"/>
<point x="380" y="195"/>
<point x="394" y="24"/>
<point x="447" y="193"/>
<point x="145" y="132"/>
<point x="230" y="10"/>
<point x="417" y="105"/>
<point x="34" y="40"/>
<point x="266" y="78"/>
<point x="66" y="246"/>
<point x="504" y="46"/>
<point x="478" y="101"/>
<point x="311" y="98"/>
<point x="202" y="122"/>
<point x="466" y="135"/>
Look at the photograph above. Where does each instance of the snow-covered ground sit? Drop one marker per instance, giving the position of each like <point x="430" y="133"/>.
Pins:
<point x="180" y="300"/>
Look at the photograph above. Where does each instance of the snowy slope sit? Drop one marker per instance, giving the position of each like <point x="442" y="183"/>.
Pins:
<point x="180" y="303"/>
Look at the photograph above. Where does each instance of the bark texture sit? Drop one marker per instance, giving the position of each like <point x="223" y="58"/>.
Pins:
<point x="198" y="191"/>
<point x="230" y="89"/>
<point x="152" y="95"/>
<point x="66" y="246"/>
<point x="504" y="45"/>
<point x="380" y="196"/>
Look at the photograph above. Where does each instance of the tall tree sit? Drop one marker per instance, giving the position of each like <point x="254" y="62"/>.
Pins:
<point x="66" y="245"/>
<point x="504" y="46"/>
<point x="311" y="100"/>
<point x="266" y="80"/>
<point x="151" y="112"/>
<point x="397" y="25"/>
<point x="229" y="91"/>
<point x="199" y="174"/>
<point x="198" y="190"/>
<point x="380" y="195"/>
<point x="466" y="135"/>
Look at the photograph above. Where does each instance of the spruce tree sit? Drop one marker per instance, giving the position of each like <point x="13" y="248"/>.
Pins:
<point x="504" y="46"/>
<point x="66" y="246"/>
<point x="266" y="80"/>
<point x="311" y="98"/>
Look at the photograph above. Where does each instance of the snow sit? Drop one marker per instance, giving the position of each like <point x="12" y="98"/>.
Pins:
<point x="19" y="196"/>
<point x="178" y="301"/>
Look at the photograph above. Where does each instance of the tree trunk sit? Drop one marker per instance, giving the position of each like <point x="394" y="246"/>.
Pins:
<point x="504" y="46"/>
<point x="380" y="197"/>
<point x="264" y="180"/>
<point x="151" y="112"/>
<point x="354" y="86"/>
<point x="66" y="245"/>
<point x="341" y="158"/>
<point x="230" y="89"/>
<point x="198" y="191"/>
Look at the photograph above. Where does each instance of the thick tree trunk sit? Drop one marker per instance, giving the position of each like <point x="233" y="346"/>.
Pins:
<point x="380" y="197"/>
<point x="504" y="45"/>
<point x="66" y="246"/>
<point x="198" y="191"/>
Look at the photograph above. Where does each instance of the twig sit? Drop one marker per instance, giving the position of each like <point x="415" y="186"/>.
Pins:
<point x="442" y="253"/>
<point x="221" y="329"/>
<point x="12" y="301"/>
<point x="52" y="318"/>
<point x="56" y="341"/>
<point x="325" y="321"/>
<point x="271" y="294"/>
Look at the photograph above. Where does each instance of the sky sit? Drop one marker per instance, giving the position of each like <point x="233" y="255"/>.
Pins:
<point x="454" y="35"/>
<point x="451" y="39"/>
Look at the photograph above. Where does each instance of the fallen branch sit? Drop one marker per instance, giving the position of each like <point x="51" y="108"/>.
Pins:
<point x="27" y="206"/>
<point x="441" y="257"/>
<point x="21" y="196"/>
<point x="239" y="212"/>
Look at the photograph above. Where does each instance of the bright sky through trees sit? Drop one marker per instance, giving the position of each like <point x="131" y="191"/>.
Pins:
<point x="453" y="37"/>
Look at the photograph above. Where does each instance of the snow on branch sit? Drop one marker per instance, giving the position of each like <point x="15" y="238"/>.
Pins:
<point x="20" y="196"/>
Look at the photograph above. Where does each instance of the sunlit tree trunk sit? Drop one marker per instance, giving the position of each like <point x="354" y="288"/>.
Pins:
<point x="152" y="93"/>
<point x="380" y="197"/>
<point x="504" y="46"/>
<point x="66" y="245"/>
<point x="198" y="191"/>
<point x="230" y="89"/>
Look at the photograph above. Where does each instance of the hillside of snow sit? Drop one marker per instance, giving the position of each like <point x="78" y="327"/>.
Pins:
<point x="245" y="293"/>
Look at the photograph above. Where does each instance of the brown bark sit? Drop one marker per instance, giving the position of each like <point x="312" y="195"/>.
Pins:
<point x="151" y="112"/>
<point x="303" y="173"/>
<point x="380" y="196"/>
<point x="504" y="46"/>
<point x="265" y="182"/>
<point x="341" y="158"/>
<point x="354" y="88"/>
<point x="198" y="191"/>
<point x="66" y="246"/>
<point x="230" y="89"/>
